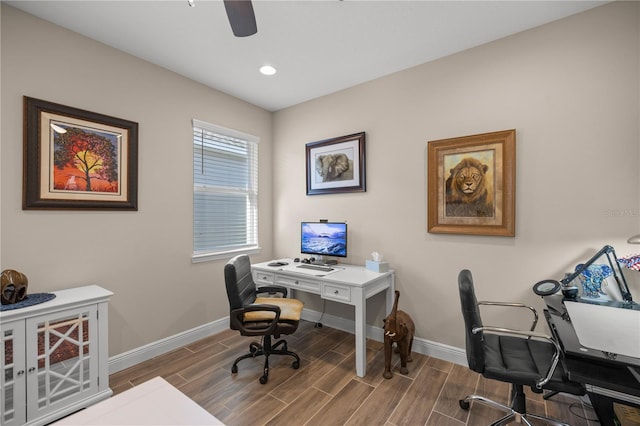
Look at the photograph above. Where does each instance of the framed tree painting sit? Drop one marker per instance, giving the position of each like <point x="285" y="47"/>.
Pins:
<point x="336" y="165"/>
<point x="77" y="159"/>
<point x="471" y="184"/>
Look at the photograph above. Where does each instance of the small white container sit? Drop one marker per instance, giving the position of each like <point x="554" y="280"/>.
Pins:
<point x="374" y="266"/>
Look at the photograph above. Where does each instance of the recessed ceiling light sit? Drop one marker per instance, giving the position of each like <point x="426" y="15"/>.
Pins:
<point x="267" y="70"/>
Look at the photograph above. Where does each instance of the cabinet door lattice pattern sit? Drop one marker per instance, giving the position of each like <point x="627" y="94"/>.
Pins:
<point x="11" y="373"/>
<point x="52" y="357"/>
<point x="64" y="357"/>
<point x="8" y="384"/>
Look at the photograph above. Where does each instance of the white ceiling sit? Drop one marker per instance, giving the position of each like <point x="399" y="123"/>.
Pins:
<point x="318" y="47"/>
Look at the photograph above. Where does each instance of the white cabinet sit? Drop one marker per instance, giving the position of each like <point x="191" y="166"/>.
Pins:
<point x="54" y="357"/>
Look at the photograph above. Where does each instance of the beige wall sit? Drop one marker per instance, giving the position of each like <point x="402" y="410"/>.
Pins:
<point x="569" y="88"/>
<point x="0" y="140"/>
<point x="144" y="257"/>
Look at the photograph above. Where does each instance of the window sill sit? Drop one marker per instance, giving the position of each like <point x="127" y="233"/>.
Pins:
<point x="207" y="257"/>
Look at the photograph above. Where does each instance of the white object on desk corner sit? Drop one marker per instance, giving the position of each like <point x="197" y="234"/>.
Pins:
<point x="374" y="266"/>
<point x="606" y="328"/>
<point x="377" y="265"/>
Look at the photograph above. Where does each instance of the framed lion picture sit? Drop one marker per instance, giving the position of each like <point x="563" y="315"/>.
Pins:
<point x="471" y="184"/>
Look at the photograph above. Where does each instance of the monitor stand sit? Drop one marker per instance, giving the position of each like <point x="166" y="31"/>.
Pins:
<point x="322" y="260"/>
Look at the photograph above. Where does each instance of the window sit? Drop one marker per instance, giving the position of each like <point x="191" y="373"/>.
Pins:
<point x="225" y="192"/>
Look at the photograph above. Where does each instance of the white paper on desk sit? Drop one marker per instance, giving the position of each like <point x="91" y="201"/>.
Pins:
<point x="606" y="328"/>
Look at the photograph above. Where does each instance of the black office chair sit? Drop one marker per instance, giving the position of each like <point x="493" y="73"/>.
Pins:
<point x="260" y="316"/>
<point x="522" y="358"/>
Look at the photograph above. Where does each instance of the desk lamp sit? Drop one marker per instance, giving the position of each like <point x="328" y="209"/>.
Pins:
<point x="613" y="263"/>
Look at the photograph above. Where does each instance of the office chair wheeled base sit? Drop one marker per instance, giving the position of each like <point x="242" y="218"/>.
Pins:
<point x="256" y="349"/>
<point x="516" y="413"/>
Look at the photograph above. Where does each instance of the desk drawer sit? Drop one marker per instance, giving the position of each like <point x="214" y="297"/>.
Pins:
<point x="302" y="284"/>
<point x="336" y="292"/>
<point x="264" y="278"/>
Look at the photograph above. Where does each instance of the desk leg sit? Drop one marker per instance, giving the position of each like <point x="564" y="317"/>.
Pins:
<point x="603" y="406"/>
<point x="361" y="323"/>
<point x="361" y="333"/>
<point x="391" y="294"/>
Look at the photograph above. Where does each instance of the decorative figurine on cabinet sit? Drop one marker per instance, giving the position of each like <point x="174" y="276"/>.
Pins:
<point x="13" y="286"/>
<point x="399" y="329"/>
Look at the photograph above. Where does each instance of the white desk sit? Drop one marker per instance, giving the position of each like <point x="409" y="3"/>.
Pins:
<point x="154" y="402"/>
<point x="348" y="284"/>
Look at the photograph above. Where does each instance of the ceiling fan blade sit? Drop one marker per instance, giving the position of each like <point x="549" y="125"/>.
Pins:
<point x="241" y="17"/>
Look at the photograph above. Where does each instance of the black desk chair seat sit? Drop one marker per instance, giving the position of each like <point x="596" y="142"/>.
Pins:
<point x="522" y="358"/>
<point x="260" y="316"/>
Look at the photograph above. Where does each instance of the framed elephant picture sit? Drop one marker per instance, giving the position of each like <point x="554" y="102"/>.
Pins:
<point x="471" y="184"/>
<point x="336" y="165"/>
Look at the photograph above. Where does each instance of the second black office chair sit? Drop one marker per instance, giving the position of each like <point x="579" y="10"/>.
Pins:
<point x="522" y="358"/>
<point x="259" y="316"/>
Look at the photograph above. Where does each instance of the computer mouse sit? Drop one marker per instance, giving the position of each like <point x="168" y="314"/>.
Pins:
<point x="297" y="259"/>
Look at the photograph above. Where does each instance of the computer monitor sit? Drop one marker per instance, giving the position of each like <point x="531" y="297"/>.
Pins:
<point x="322" y="239"/>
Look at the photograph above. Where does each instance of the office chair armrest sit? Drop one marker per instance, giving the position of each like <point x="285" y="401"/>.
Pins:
<point x="272" y="289"/>
<point x="237" y="320"/>
<point x="515" y="305"/>
<point x="529" y="334"/>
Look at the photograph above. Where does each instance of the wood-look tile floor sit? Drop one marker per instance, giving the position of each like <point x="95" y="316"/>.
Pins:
<point x="325" y="389"/>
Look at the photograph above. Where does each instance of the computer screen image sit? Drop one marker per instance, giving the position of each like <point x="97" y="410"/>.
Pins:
<point x="324" y="238"/>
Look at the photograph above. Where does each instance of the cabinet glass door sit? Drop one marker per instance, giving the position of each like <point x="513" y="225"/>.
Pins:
<point x="64" y="368"/>
<point x="12" y="383"/>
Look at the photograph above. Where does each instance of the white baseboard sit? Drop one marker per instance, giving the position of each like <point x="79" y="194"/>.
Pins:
<point x="159" y="347"/>
<point x="421" y="346"/>
<point x="151" y="350"/>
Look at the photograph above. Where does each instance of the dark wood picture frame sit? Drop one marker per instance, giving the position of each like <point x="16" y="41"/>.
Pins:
<point x="471" y="184"/>
<point x="77" y="159"/>
<point x="336" y="165"/>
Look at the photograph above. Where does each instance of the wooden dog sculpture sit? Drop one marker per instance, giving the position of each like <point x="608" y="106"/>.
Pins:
<point x="399" y="329"/>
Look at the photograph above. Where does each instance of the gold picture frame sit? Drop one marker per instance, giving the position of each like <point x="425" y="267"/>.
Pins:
<point x="471" y="184"/>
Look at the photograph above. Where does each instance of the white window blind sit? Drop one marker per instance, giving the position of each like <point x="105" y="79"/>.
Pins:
<point x="225" y="191"/>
